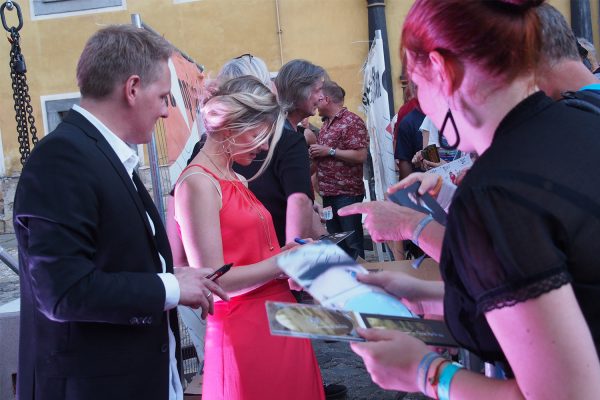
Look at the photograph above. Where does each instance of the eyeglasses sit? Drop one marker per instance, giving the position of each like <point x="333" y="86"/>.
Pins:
<point x="250" y="56"/>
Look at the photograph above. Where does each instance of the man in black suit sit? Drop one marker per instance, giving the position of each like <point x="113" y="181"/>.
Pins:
<point x="97" y="280"/>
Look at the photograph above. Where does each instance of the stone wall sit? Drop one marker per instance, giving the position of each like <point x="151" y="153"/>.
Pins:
<point x="8" y="186"/>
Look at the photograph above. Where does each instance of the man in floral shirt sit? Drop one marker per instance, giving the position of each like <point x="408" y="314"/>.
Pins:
<point x="339" y="154"/>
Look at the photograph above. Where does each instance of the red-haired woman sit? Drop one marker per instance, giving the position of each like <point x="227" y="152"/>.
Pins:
<point x="519" y="260"/>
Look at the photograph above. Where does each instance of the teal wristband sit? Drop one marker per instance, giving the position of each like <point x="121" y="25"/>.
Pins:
<point x="446" y="377"/>
<point x="419" y="228"/>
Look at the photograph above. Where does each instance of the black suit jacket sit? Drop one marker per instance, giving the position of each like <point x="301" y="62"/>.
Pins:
<point x="92" y="319"/>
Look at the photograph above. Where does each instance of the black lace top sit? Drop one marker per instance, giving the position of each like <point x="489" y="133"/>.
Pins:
<point x="525" y="221"/>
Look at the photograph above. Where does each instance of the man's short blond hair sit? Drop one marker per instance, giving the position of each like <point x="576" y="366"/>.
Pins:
<point x="115" y="53"/>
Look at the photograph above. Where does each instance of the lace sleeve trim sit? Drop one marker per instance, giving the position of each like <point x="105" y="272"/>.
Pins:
<point x="524" y="293"/>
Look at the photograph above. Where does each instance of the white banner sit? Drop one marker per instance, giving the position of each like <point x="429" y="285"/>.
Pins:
<point x="377" y="110"/>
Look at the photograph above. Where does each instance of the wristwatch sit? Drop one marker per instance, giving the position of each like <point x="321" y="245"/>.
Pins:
<point x="332" y="152"/>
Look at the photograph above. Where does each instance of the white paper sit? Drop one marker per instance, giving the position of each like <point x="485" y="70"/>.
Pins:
<point x="329" y="275"/>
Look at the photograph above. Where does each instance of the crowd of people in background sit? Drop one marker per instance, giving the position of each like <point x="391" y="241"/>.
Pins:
<point x="101" y="276"/>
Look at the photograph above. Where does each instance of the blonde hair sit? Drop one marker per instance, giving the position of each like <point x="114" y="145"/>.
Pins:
<point x="243" y="104"/>
<point x="246" y="64"/>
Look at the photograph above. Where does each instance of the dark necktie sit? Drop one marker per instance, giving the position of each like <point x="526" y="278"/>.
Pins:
<point x="160" y="235"/>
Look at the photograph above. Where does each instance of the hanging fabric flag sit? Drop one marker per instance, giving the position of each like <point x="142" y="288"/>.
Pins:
<point x="376" y="108"/>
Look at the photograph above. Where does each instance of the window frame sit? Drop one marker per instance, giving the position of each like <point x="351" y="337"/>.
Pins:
<point x="75" y="8"/>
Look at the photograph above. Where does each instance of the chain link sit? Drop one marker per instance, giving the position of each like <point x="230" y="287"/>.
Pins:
<point x="23" y="109"/>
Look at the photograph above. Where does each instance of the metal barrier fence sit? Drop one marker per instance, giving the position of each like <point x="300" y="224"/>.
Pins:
<point x="9" y="260"/>
<point x="189" y="359"/>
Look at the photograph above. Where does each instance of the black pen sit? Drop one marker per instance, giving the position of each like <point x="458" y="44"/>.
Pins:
<point x="220" y="272"/>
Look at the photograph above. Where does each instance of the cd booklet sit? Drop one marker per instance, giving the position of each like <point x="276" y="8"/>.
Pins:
<point x="318" y="322"/>
<point x="310" y="321"/>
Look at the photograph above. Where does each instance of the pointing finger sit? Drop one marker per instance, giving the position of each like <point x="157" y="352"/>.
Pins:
<point x="356" y="208"/>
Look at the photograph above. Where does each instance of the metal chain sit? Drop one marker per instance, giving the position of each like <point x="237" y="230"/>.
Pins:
<point x="23" y="109"/>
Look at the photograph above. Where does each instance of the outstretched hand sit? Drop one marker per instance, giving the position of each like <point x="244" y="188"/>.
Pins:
<point x="385" y="220"/>
<point x="391" y="358"/>
<point x="412" y="291"/>
<point x="428" y="182"/>
<point x="291" y="245"/>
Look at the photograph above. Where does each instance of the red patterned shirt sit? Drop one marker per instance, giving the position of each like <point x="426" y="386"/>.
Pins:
<point x="345" y="131"/>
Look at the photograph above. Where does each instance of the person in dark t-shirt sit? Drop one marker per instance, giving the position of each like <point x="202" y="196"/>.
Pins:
<point x="284" y="187"/>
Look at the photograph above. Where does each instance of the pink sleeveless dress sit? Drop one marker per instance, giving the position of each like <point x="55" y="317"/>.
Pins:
<point x="243" y="361"/>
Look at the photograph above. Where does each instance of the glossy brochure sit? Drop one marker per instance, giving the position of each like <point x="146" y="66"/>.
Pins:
<point x="329" y="275"/>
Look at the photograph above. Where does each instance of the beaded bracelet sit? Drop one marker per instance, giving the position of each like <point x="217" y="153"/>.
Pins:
<point x="443" y="390"/>
<point x="423" y="369"/>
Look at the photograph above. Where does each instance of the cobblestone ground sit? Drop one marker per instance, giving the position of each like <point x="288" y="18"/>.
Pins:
<point x="9" y="285"/>
<point x="338" y="363"/>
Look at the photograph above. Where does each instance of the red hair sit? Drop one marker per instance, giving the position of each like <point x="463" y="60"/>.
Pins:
<point x="501" y="37"/>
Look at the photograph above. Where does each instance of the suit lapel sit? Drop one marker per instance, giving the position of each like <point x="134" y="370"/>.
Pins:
<point x="90" y="130"/>
<point x="161" y="241"/>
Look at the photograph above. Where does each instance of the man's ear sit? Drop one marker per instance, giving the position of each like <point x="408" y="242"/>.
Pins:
<point x="132" y="88"/>
<point x="441" y="72"/>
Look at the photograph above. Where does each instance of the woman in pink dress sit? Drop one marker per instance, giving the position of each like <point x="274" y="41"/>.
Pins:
<point x="221" y="221"/>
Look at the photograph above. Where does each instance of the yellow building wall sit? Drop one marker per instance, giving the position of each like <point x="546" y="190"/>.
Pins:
<point x="330" y="33"/>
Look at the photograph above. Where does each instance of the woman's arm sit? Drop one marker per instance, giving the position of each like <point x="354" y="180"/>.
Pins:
<point x="549" y="346"/>
<point x="177" y="250"/>
<point x="302" y="221"/>
<point x="392" y="359"/>
<point x="421" y="296"/>
<point x="201" y="235"/>
<point x="546" y="340"/>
